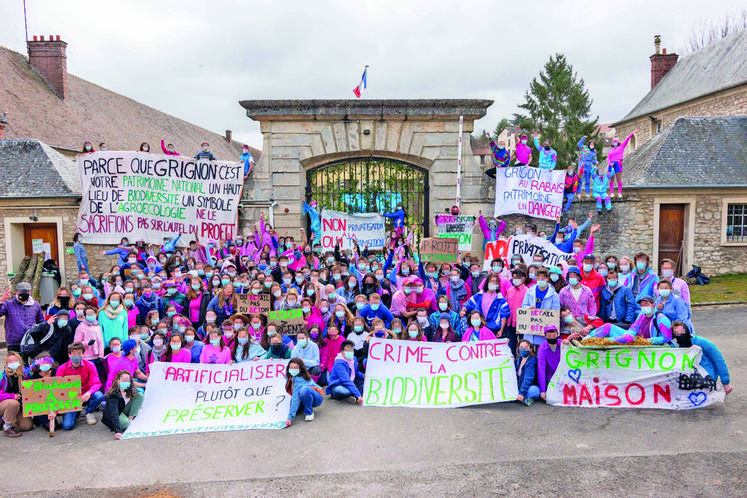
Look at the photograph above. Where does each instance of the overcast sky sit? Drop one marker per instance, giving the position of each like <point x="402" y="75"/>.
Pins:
<point x="196" y="59"/>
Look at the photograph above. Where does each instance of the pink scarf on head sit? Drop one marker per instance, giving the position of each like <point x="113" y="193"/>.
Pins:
<point x="349" y="362"/>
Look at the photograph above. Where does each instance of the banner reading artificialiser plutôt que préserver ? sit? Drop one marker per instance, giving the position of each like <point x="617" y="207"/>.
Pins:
<point x="142" y="195"/>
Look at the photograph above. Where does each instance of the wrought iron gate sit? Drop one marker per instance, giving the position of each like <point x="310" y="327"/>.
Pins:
<point x="372" y="185"/>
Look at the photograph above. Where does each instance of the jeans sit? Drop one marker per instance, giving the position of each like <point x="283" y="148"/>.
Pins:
<point x="586" y="180"/>
<point x="533" y="392"/>
<point x="309" y="399"/>
<point x="570" y="196"/>
<point x="342" y="392"/>
<point x="69" y="419"/>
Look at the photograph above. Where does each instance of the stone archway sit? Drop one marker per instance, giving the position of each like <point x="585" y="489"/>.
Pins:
<point x="300" y="135"/>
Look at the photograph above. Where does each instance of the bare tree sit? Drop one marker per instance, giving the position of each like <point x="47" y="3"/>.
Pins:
<point x="708" y="32"/>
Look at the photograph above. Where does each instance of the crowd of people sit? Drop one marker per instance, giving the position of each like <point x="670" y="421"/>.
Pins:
<point x="174" y="303"/>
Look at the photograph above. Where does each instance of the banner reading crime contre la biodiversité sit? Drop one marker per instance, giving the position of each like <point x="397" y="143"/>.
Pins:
<point x="438" y="375"/>
<point x="531" y="191"/>
<point x="142" y="195"/>
<point x="194" y="397"/>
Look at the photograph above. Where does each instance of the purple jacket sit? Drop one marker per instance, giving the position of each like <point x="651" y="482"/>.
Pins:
<point x="19" y="318"/>
<point x="547" y="363"/>
<point x="586" y="304"/>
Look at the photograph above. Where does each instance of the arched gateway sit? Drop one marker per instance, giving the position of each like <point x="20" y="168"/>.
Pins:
<point x="361" y="156"/>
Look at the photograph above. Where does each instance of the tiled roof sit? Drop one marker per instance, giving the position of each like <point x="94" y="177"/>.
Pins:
<point x="90" y="112"/>
<point x="718" y="66"/>
<point x="693" y="152"/>
<point x="30" y="168"/>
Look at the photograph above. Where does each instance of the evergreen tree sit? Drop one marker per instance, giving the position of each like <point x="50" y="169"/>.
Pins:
<point x="558" y="106"/>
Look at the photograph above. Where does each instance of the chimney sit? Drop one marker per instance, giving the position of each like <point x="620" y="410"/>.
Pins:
<point x="661" y="62"/>
<point x="229" y="135"/>
<point x="48" y="60"/>
<point x="3" y="124"/>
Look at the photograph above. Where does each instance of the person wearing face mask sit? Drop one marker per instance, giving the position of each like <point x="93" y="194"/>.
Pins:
<point x="548" y="358"/>
<point x="305" y="393"/>
<point x="375" y="309"/>
<point x="590" y="278"/>
<point x="89" y="382"/>
<point x="526" y="374"/>
<point x="44" y="367"/>
<point x="617" y="305"/>
<point x="492" y="305"/>
<point x="711" y="360"/>
<point x="89" y="334"/>
<point x="196" y="302"/>
<point x="345" y="378"/>
<point x="444" y="331"/>
<point x="54" y="335"/>
<point x="542" y="296"/>
<point x="308" y="351"/>
<point x="278" y="349"/>
<point x="679" y="286"/>
<point x="131" y="266"/>
<point x="491" y="229"/>
<point x="641" y="280"/>
<point x="175" y="350"/>
<point x="445" y="311"/>
<point x="601" y="181"/>
<point x="674" y="307"/>
<point x="173" y="297"/>
<point x="577" y="296"/>
<point x="215" y="350"/>
<point x="204" y="152"/>
<point x="501" y="156"/>
<point x="615" y="159"/>
<point x="421" y="298"/>
<point x="113" y="318"/>
<point x="14" y="373"/>
<point x="523" y="152"/>
<point x="148" y="302"/>
<point x="548" y="158"/>
<point x="358" y="335"/>
<point x="246" y="347"/>
<point x="556" y="278"/>
<point x="21" y="313"/>
<point x="87" y="148"/>
<point x="62" y="301"/>
<point x="123" y="402"/>
<point x="570" y="187"/>
<point x="169" y="149"/>
<point x="587" y="161"/>
<point x="457" y="290"/>
<point x="477" y="329"/>
<point x="515" y="298"/>
<point x="651" y="324"/>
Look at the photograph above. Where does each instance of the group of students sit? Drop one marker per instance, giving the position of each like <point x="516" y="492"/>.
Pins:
<point x="595" y="180"/>
<point x="179" y="304"/>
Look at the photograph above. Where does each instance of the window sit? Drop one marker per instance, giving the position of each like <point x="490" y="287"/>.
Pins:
<point x="736" y="223"/>
<point x="482" y="159"/>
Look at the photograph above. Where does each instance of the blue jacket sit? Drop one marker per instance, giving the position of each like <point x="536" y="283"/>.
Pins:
<point x="196" y="350"/>
<point x="369" y="315"/>
<point x="147" y="305"/>
<point x="80" y="256"/>
<point x="528" y="376"/>
<point x="170" y="246"/>
<point x="309" y="354"/>
<point x="340" y="376"/>
<point x="248" y="160"/>
<point x="298" y="384"/>
<point x="601" y="184"/>
<point x="625" y="306"/>
<point x="547" y="158"/>
<point x="551" y="301"/>
<point x="398" y="218"/>
<point x="647" y="285"/>
<point x="588" y="157"/>
<point x="122" y="253"/>
<point x="676" y="309"/>
<point x="712" y="360"/>
<point x="567" y="244"/>
<point x="498" y="310"/>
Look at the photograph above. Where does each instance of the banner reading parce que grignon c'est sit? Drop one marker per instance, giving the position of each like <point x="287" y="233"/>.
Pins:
<point x="142" y="195"/>
<point x="438" y="375"/>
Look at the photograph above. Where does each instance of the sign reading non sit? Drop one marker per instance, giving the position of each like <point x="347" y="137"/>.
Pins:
<point x="439" y="250"/>
<point x="51" y="394"/>
<point x="534" y="321"/>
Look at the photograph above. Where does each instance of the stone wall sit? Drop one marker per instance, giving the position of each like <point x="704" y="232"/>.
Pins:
<point x="713" y="257"/>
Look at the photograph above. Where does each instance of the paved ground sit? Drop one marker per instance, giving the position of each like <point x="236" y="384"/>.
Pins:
<point x="489" y="450"/>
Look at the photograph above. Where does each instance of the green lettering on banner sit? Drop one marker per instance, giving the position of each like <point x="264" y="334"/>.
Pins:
<point x="285" y="314"/>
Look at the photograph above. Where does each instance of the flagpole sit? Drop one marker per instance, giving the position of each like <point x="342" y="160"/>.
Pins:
<point x="459" y="166"/>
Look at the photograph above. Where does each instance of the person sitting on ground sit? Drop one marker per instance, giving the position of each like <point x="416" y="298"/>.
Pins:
<point x="548" y="358"/>
<point x="346" y="380"/>
<point x="123" y="402"/>
<point x="10" y="396"/>
<point x="308" y="352"/>
<point x="526" y="373"/>
<point x="90" y="385"/>
<point x="305" y="393"/>
<point x="711" y="360"/>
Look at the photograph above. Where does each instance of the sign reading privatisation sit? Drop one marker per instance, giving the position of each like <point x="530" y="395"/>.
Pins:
<point x="531" y="191"/>
<point x="343" y="229"/>
<point x="632" y="377"/>
<point x="438" y="375"/>
<point x="525" y="246"/>
<point x="192" y="397"/>
<point x="456" y="227"/>
<point x="51" y="394"/>
<point x="142" y="195"/>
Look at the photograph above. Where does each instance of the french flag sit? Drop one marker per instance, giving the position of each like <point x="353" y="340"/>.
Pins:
<point x="362" y="85"/>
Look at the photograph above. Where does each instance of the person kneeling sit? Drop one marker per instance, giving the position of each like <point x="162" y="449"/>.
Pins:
<point x="305" y="393"/>
<point x="89" y="385"/>
<point x="526" y="372"/>
<point x="345" y="379"/>
<point x="712" y="360"/>
<point x="123" y="402"/>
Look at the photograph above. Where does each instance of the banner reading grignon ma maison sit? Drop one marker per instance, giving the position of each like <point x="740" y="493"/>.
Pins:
<point x="142" y="195"/>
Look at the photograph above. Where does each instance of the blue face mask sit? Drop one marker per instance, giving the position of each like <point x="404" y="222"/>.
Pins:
<point x="124" y="385"/>
<point x="524" y="353"/>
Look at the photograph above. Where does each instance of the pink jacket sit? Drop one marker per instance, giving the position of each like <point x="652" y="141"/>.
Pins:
<point x="89" y="377"/>
<point x="84" y="333"/>
<point x="183" y="356"/>
<point x="332" y="349"/>
<point x="484" y="334"/>
<point x="585" y="305"/>
<point x="616" y="153"/>
<point x="166" y="151"/>
<point x="399" y="303"/>
<point x="515" y="297"/>
<point x="523" y="153"/>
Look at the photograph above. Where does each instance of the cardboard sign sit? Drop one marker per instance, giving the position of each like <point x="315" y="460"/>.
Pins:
<point x="531" y="191"/>
<point x="534" y="321"/>
<point x="456" y="227"/>
<point x="147" y="196"/>
<point x="249" y="304"/>
<point x="288" y="322"/>
<point x="439" y="375"/>
<point x="632" y="377"/>
<point x="439" y="250"/>
<point x="51" y="394"/>
<point x="184" y="398"/>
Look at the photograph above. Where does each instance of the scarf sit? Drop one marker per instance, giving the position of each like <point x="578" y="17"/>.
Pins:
<point x="457" y="293"/>
<point x="113" y="313"/>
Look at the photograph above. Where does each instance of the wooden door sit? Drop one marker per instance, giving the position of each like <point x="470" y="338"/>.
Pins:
<point x="671" y="234"/>
<point x="47" y="232"/>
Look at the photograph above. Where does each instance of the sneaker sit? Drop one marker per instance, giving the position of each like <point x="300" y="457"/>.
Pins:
<point x="12" y="432"/>
<point x="90" y="419"/>
<point x="599" y="212"/>
<point x="309" y="418"/>
<point x="528" y="401"/>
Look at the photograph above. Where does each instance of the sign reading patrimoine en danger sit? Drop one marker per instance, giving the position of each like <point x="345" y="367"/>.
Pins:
<point x="137" y="194"/>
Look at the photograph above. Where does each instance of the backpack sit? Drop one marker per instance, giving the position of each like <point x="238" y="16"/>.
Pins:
<point x="32" y="347"/>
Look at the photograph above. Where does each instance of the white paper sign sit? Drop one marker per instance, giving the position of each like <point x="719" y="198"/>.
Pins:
<point x="632" y="377"/>
<point x="531" y="191"/>
<point x="342" y="228"/>
<point x="439" y="375"/>
<point x="141" y="195"/>
<point x="526" y="246"/>
<point x="193" y="397"/>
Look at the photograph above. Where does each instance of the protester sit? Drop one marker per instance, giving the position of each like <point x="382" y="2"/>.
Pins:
<point x="123" y="402"/>
<point x="204" y="152"/>
<point x="91" y="397"/>
<point x="21" y="313"/>
<point x="712" y="360"/>
<point x="305" y="393"/>
<point x="345" y="379"/>
<point x="526" y="373"/>
<point x="587" y="162"/>
<point x="548" y="158"/>
<point x="615" y="159"/>
<point x="548" y="358"/>
<point x="10" y="396"/>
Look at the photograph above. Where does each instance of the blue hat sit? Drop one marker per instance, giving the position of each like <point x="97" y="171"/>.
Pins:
<point x="128" y="346"/>
<point x="573" y="269"/>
